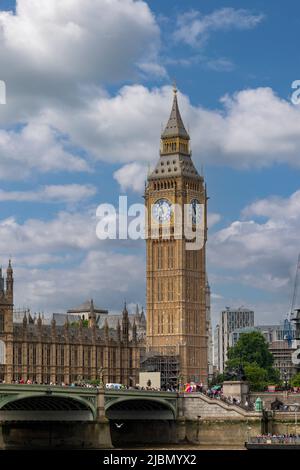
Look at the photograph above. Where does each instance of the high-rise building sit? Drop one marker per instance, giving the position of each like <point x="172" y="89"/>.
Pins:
<point x="210" y="352"/>
<point x="216" y="357"/>
<point x="176" y="275"/>
<point x="230" y="320"/>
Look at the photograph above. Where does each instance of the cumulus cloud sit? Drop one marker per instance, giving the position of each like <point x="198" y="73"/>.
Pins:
<point x="194" y="29"/>
<point x="67" y="193"/>
<point x="57" y="289"/>
<point x="47" y="48"/>
<point x="261" y="254"/>
<point x="36" y="147"/>
<point x="253" y="129"/>
<point x="60" y="262"/>
<point x="67" y="231"/>
<point x="131" y="176"/>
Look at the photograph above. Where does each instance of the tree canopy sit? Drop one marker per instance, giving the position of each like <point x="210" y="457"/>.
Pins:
<point x="252" y="352"/>
<point x="295" y="381"/>
<point x="251" y="348"/>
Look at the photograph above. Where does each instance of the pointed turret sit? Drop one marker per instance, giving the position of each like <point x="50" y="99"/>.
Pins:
<point x="175" y="126"/>
<point x="134" y="332"/>
<point x="66" y="324"/>
<point x="53" y="327"/>
<point x="119" y="331"/>
<point x="137" y="314"/>
<point x="39" y="321"/>
<point x="143" y="318"/>
<point x="92" y="315"/>
<point x="106" y="330"/>
<point x="10" y="282"/>
<point x="25" y="321"/>
<point x="175" y="154"/>
<point x="125" y="324"/>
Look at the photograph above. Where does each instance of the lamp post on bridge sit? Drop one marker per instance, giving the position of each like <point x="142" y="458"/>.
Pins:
<point x="101" y="384"/>
<point x="296" y="409"/>
<point x="285" y="380"/>
<point x="198" y="427"/>
<point x="179" y="381"/>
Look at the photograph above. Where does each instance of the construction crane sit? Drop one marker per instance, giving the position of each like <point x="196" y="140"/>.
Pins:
<point x="295" y="292"/>
<point x="294" y="314"/>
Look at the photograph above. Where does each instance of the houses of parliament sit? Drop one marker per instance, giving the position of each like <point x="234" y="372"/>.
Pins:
<point x="88" y="341"/>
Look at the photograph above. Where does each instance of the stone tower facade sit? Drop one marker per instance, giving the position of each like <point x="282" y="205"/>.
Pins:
<point x="6" y="322"/>
<point x="176" y="274"/>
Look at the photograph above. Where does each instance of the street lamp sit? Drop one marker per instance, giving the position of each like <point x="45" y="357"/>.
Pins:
<point x="248" y="433"/>
<point x="285" y="379"/>
<point x="296" y="408"/>
<point x="198" y="427"/>
<point x="179" y="379"/>
<point x="101" y="384"/>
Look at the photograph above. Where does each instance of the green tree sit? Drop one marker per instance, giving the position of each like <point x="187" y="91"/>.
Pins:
<point x="295" y="381"/>
<point x="256" y="376"/>
<point x="251" y="348"/>
<point x="252" y="352"/>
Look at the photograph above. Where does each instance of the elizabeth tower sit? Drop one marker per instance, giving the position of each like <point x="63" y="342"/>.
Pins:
<point x="176" y="274"/>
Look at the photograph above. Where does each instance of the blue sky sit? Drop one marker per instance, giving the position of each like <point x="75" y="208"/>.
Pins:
<point x="89" y="85"/>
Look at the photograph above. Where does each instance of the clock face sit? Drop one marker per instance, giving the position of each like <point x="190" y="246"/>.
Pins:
<point x="195" y="211"/>
<point x="162" y="210"/>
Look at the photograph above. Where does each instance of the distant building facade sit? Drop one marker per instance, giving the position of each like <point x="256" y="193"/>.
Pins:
<point x="65" y="353"/>
<point x="230" y="320"/>
<point x="210" y="352"/>
<point x="272" y="333"/>
<point x="216" y="357"/>
<point x="283" y="358"/>
<point x="136" y="320"/>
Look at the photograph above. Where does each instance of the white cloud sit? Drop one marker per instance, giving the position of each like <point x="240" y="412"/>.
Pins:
<point x="255" y="128"/>
<point x="213" y="219"/>
<point x="275" y="207"/>
<point x="68" y="193"/>
<point x="105" y="276"/>
<point x="60" y="262"/>
<point x="261" y="254"/>
<point x="37" y="147"/>
<point x="131" y="176"/>
<point x="194" y="29"/>
<point x="67" y="231"/>
<point x="70" y="42"/>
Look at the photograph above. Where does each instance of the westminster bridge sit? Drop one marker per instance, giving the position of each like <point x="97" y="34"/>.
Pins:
<point x="42" y="416"/>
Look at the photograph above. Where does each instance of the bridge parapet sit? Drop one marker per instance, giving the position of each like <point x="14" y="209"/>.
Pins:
<point x="192" y="405"/>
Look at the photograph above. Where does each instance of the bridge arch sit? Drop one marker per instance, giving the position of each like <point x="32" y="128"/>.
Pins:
<point x="51" y="406"/>
<point x="135" y="408"/>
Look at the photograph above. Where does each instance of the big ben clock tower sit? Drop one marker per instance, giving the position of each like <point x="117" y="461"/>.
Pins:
<point x="176" y="273"/>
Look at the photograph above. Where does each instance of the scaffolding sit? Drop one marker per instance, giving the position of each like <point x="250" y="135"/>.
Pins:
<point x="168" y="366"/>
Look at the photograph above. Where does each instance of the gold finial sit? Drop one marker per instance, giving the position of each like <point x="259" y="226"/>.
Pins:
<point x="175" y="87"/>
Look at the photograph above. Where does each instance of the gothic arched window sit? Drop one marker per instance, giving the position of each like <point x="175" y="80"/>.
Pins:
<point x="1" y="322"/>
